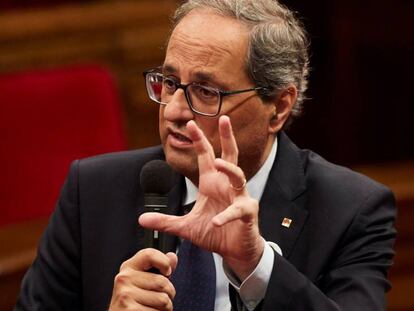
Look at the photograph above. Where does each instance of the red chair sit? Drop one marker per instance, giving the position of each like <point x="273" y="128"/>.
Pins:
<point x="47" y="119"/>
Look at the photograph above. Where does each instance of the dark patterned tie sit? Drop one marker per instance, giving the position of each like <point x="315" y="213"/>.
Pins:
<point x="194" y="279"/>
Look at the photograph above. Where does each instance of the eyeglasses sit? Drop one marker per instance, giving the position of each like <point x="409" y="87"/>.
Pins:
<point x="203" y="100"/>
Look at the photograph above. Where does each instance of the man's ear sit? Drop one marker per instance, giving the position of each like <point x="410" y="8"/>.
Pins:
<point x="283" y="105"/>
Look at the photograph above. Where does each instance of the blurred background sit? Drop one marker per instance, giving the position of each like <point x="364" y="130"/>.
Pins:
<point x="71" y="86"/>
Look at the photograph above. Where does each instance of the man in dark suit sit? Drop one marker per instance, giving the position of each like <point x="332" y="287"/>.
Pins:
<point x="301" y="234"/>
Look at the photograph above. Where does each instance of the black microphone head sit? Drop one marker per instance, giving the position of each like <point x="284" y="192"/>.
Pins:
<point x="156" y="177"/>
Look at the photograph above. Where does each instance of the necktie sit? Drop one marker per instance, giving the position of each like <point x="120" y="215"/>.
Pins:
<point x="194" y="279"/>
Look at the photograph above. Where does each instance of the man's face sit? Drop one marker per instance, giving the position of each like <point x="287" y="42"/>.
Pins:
<point x="211" y="49"/>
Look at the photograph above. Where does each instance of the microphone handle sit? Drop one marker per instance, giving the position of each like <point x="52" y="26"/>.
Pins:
<point x="155" y="203"/>
<point x="154" y="238"/>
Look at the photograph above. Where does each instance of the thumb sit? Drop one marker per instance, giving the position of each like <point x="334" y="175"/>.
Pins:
<point x="162" y="222"/>
<point x="173" y="260"/>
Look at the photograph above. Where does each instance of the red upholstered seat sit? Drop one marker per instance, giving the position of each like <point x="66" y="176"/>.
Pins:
<point x="47" y="119"/>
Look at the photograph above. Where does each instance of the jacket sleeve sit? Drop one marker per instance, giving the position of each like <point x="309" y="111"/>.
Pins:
<point x="356" y="276"/>
<point x="53" y="280"/>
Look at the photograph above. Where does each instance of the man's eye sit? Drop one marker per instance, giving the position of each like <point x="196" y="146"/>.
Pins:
<point x="169" y="84"/>
<point x="206" y="94"/>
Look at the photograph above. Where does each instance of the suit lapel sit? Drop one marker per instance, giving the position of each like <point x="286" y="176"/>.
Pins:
<point x="284" y="198"/>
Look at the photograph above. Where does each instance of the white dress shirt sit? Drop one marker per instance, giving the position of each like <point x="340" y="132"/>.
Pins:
<point x="253" y="288"/>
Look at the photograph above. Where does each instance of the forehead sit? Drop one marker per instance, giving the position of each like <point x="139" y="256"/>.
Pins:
<point x="207" y="42"/>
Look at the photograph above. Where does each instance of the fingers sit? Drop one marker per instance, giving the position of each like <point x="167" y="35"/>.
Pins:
<point x="137" y="289"/>
<point x="165" y="223"/>
<point x="229" y="150"/>
<point x="149" y="258"/>
<point x="202" y="146"/>
<point x="204" y="149"/>
<point x="139" y="283"/>
<point x="244" y="209"/>
<point x="173" y="260"/>
<point x="127" y="296"/>
<point x="235" y="175"/>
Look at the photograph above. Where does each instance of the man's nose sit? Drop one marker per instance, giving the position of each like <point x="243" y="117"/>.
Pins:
<point x="177" y="108"/>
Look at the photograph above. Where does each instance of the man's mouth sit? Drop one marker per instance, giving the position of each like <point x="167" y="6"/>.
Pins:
<point x="181" y="137"/>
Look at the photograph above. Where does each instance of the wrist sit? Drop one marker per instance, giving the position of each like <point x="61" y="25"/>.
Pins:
<point x="244" y="266"/>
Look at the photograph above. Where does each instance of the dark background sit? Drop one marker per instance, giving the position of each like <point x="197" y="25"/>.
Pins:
<point x="361" y="105"/>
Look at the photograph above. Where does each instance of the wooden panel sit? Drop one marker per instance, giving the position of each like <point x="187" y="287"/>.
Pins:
<point x="127" y="36"/>
<point x="398" y="176"/>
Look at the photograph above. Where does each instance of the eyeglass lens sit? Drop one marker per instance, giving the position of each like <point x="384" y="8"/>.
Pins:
<point x="201" y="98"/>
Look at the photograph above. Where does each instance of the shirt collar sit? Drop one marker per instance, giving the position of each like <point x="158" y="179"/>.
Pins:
<point x="255" y="186"/>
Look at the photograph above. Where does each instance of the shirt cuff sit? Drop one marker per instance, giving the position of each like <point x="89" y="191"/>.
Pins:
<point x="253" y="288"/>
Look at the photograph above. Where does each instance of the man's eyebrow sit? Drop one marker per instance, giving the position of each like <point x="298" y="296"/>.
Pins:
<point x="198" y="76"/>
<point x="204" y="76"/>
<point x="166" y="68"/>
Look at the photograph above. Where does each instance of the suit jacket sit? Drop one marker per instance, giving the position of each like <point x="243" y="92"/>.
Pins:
<point x="336" y="252"/>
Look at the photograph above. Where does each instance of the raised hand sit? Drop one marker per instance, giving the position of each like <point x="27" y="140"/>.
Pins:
<point x="225" y="218"/>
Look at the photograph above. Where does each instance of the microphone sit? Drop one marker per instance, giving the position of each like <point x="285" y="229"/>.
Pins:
<point x="156" y="181"/>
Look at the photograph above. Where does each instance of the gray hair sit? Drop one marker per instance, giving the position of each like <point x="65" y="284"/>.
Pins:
<point x="278" y="44"/>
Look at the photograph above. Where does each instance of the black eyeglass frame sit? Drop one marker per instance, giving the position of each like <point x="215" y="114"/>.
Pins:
<point x="184" y="87"/>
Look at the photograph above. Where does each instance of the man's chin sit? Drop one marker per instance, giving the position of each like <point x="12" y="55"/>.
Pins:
<point x="183" y="163"/>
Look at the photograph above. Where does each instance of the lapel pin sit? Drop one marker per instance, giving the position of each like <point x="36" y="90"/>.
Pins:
<point x="286" y="222"/>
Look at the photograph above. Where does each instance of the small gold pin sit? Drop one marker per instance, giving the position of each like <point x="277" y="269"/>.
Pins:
<point x="286" y="222"/>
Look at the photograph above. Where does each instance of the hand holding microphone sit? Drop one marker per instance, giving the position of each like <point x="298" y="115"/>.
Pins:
<point x="136" y="285"/>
